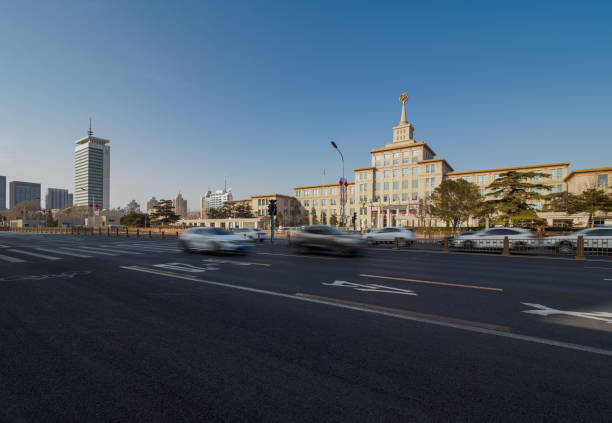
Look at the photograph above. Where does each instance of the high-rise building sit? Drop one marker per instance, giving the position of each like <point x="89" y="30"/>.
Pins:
<point x="2" y="192"/>
<point x="23" y="191"/>
<point x="151" y="204"/>
<point x="133" y="207"/>
<point x="56" y="198"/>
<point x="180" y="205"/>
<point x="215" y="200"/>
<point x="92" y="171"/>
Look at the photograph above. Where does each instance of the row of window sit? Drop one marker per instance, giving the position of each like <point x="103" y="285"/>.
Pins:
<point x="322" y="191"/>
<point x="324" y="202"/>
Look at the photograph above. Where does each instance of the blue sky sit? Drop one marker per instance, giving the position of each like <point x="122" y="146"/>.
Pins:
<point x="190" y="91"/>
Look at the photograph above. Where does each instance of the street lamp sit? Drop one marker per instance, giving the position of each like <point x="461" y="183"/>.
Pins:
<point x="342" y="185"/>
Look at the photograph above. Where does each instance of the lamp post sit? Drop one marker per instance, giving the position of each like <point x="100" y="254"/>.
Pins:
<point x="342" y="185"/>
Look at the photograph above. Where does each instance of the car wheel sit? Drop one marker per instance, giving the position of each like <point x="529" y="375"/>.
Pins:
<point x="566" y="248"/>
<point x="185" y="247"/>
<point x="468" y="245"/>
<point x="370" y="241"/>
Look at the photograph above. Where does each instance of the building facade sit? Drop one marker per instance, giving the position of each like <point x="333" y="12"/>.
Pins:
<point x="57" y="198"/>
<point x="2" y="192"/>
<point x="180" y="205"/>
<point x="23" y="191"/>
<point x="92" y="171"/>
<point x="151" y="204"/>
<point x="396" y="187"/>
<point x="214" y="200"/>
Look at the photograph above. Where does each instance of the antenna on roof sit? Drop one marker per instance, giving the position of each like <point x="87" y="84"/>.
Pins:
<point x="90" y="132"/>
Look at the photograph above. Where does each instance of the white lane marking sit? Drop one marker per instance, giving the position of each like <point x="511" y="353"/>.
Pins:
<point x="516" y="336"/>
<point x="186" y="267"/>
<point x="547" y="311"/>
<point x="136" y="247"/>
<point x="11" y="259"/>
<point x="107" y="250"/>
<point x="607" y="279"/>
<point x="66" y="253"/>
<point x="90" y="252"/>
<point x="297" y="255"/>
<point x="372" y="288"/>
<point x="35" y="254"/>
<point x="4" y="246"/>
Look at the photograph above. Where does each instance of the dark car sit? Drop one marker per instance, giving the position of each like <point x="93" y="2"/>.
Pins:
<point x="325" y="238"/>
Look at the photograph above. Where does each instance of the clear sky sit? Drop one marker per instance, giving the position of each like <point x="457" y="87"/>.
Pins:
<point x="190" y="91"/>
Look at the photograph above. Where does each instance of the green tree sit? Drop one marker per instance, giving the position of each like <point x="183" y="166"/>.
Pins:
<point x="134" y="219"/>
<point x="333" y="220"/>
<point x="243" y="211"/>
<point x="323" y="218"/>
<point x="163" y="213"/>
<point x="514" y="195"/>
<point x="589" y="201"/>
<point x="455" y="201"/>
<point x="313" y="213"/>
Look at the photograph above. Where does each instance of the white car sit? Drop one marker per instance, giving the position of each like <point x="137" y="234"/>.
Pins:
<point x="594" y="238"/>
<point x="213" y="240"/>
<point x="251" y="233"/>
<point x="406" y="236"/>
<point x="494" y="238"/>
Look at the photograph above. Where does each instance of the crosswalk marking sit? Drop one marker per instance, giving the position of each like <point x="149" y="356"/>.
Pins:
<point x="29" y="253"/>
<point x="58" y="251"/>
<point x="11" y="259"/>
<point x="107" y="250"/>
<point x="90" y="252"/>
<point x="139" y="248"/>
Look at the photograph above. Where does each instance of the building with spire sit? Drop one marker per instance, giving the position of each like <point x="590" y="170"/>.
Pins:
<point x="92" y="171"/>
<point x="180" y="205"/>
<point x="394" y="190"/>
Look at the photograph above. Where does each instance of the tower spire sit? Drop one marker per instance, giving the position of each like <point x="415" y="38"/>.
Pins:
<point x="403" y="99"/>
<point x="90" y="132"/>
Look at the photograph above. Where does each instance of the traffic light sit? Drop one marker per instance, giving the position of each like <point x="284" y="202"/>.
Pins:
<point x="272" y="207"/>
<point x="354" y="217"/>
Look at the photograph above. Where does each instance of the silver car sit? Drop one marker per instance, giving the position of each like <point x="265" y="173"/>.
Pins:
<point x="251" y="233"/>
<point x="326" y="238"/>
<point x="493" y="238"/>
<point x="594" y="238"/>
<point x="213" y="240"/>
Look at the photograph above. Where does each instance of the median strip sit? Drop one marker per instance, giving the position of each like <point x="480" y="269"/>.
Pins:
<point x="457" y="285"/>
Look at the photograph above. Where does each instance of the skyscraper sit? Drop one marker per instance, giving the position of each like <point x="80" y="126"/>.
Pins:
<point x="92" y="171"/>
<point x="180" y="205"/>
<point x="23" y="191"/>
<point x="56" y="198"/>
<point x="2" y="192"/>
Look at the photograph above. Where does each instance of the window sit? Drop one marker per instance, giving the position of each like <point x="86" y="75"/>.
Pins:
<point x="482" y="192"/>
<point x="352" y="200"/>
<point x="363" y="175"/>
<point x="314" y="202"/>
<point x="427" y="194"/>
<point x="395" y="197"/>
<point x="324" y="191"/>
<point x="415" y="156"/>
<point x="415" y="196"/>
<point x="387" y="173"/>
<point x="602" y="181"/>
<point x="426" y="182"/>
<point x="306" y="203"/>
<point x="387" y="156"/>
<point x="395" y="185"/>
<point x="415" y="183"/>
<point x="404" y="197"/>
<point x="378" y="174"/>
<point x="405" y="171"/>
<point x="333" y="191"/>
<point x="467" y="178"/>
<point x="332" y="202"/>
<point x="378" y="157"/>
<point x="395" y="162"/>
<point x="306" y="193"/>
<point x="495" y="176"/>
<point x="481" y="179"/>
<point x="415" y="171"/>
<point x="396" y="155"/>
<point x="386" y="186"/>
<point x="333" y="212"/>
<point x="404" y="184"/>
<point x="387" y="162"/>
<point x="433" y="168"/>
<point x="298" y="193"/>
<point x="352" y="189"/>
<point x="395" y="173"/>
<point x="324" y="202"/>
<point x="385" y="198"/>
<point x="556" y="173"/>
<point x="377" y="186"/>
<point x="426" y="168"/>
<point x="432" y="181"/>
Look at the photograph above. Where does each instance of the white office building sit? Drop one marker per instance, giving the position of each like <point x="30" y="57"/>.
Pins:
<point x="214" y="200"/>
<point x="92" y="171"/>
<point x="56" y="198"/>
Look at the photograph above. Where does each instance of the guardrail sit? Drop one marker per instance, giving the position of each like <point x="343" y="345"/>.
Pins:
<point x="579" y="248"/>
<point x="159" y="233"/>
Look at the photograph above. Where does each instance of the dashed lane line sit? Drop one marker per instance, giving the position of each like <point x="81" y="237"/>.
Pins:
<point x="458" y="285"/>
<point x="100" y="250"/>
<point x="11" y="259"/>
<point x="90" y="252"/>
<point x="66" y="253"/>
<point x="297" y="255"/>
<point x="425" y="320"/>
<point x="29" y="253"/>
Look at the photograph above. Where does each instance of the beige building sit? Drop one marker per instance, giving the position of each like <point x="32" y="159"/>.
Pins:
<point x="180" y="205"/>
<point x="394" y="190"/>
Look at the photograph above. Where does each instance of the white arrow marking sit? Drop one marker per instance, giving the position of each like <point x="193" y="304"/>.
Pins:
<point x="184" y="267"/>
<point x="371" y="288"/>
<point x="547" y="311"/>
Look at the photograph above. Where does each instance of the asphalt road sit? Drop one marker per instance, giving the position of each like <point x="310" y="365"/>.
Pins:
<point x="116" y="329"/>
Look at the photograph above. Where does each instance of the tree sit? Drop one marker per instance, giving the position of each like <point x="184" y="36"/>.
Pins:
<point x="514" y="195"/>
<point x="333" y="220"/>
<point x="243" y="211"/>
<point x="590" y="201"/>
<point x="29" y="208"/>
<point x="279" y="219"/>
<point x="163" y="213"/>
<point x="557" y="202"/>
<point x="455" y="201"/>
<point x="323" y="218"/>
<point x="134" y="219"/>
<point x="313" y="214"/>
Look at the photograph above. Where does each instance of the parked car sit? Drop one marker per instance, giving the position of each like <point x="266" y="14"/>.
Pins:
<point x="251" y="233"/>
<point x="213" y="240"/>
<point x="326" y="238"/>
<point x="406" y="236"/>
<point x="493" y="238"/>
<point x="594" y="238"/>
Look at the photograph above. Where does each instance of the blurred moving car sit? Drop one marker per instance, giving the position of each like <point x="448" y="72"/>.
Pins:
<point x="451" y="238"/>
<point x="406" y="236"/>
<point x="594" y="238"/>
<point x="494" y="238"/>
<point x="213" y="240"/>
<point x="251" y="233"/>
<point x="325" y="238"/>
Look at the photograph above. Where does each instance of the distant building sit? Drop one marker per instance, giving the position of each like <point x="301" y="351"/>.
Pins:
<point x="180" y="205"/>
<point x="56" y="198"/>
<point x="92" y="171"/>
<point x="23" y="191"/>
<point x="133" y="207"/>
<point x="214" y="200"/>
<point x="2" y="192"/>
<point x="151" y="204"/>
